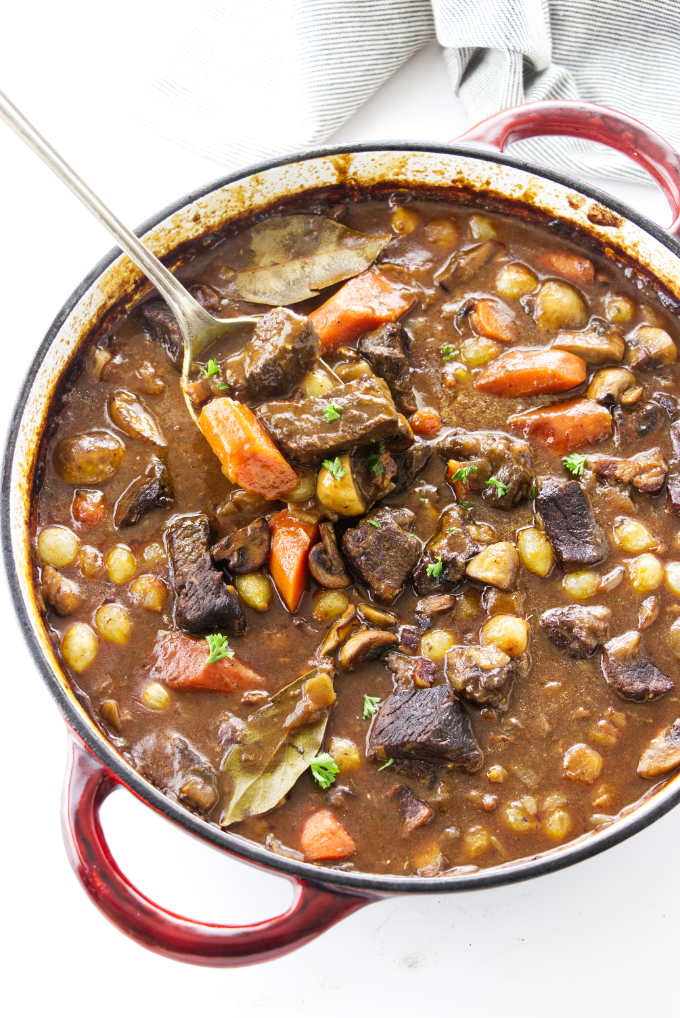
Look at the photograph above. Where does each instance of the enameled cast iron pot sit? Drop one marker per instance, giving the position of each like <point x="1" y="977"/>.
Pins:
<point x="474" y="170"/>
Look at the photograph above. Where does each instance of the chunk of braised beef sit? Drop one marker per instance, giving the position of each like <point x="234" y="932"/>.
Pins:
<point x="204" y="603"/>
<point x="442" y="564"/>
<point x="492" y="454"/>
<point x="646" y="471"/>
<point x="484" y="675"/>
<point x="374" y="470"/>
<point x="569" y="522"/>
<point x="385" y="349"/>
<point x="283" y="347"/>
<point x="383" y="555"/>
<point x="410" y="671"/>
<point x="171" y="763"/>
<point x="366" y="411"/>
<point x="631" y="672"/>
<point x="163" y="325"/>
<point x="577" y="629"/>
<point x="246" y="549"/>
<point x="151" y="490"/>
<point x="410" y="463"/>
<point x="414" y="812"/>
<point x="429" y="725"/>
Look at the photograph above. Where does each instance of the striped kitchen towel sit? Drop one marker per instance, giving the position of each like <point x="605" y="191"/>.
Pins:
<point x="268" y="77"/>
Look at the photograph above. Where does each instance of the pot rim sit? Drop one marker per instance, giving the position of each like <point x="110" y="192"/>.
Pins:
<point x="655" y="805"/>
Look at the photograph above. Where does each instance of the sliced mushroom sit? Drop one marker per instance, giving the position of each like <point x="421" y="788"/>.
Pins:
<point x="463" y="266"/>
<point x="246" y="550"/>
<point x="129" y="413"/>
<point x="498" y="565"/>
<point x="62" y="594"/>
<point x="607" y="386"/>
<point x="591" y="346"/>
<point x="435" y="603"/>
<point x="364" y="646"/>
<point x="375" y="616"/>
<point x="662" y="754"/>
<point x="325" y="561"/>
<point x="151" y="490"/>
<point x="650" y="346"/>
<point x="339" y="631"/>
<point x="89" y="458"/>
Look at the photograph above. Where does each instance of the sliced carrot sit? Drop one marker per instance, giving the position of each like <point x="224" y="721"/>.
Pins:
<point x="461" y="487"/>
<point x="489" y="318"/>
<point x="363" y="303"/>
<point x="248" y="456"/>
<point x="426" y="422"/>
<point x="530" y="371"/>
<point x="324" y="837"/>
<point x="291" y="540"/>
<point x="573" y="267"/>
<point x="181" y="661"/>
<point x="564" y="427"/>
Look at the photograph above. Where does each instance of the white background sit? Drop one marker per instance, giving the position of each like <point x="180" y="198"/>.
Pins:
<point x="600" y="936"/>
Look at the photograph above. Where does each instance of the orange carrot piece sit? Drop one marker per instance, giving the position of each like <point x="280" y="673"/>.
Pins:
<point x="527" y="372"/>
<point x="573" y="267"/>
<point x="489" y="318"/>
<point x="181" y="661"/>
<point x="363" y="303"/>
<point x="291" y="541"/>
<point x="564" y="427"/>
<point x="426" y="422"/>
<point x="88" y="507"/>
<point x="248" y="456"/>
<point x="324" y="837"/>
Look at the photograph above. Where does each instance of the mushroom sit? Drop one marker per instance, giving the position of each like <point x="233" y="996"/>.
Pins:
<point x="246" y="550"/>
<point x="375" y="616"/>
<point x="151" y="490"/>
<point x="434" y="604"/>
<point x="364" y="646"/>
<point x="463" y="266"/>
<point x="651" y="345"/>
<point x="607" y="386"/>
<point x="591" y="346"/>
<point x="62" y="594"/>
<point x="88" y="458"/>
<point x="339" y="631"/>
<point x="662" y="753"/>
<point x="128" y="413"/>
<point x="325" y="561"/>
<point x="498" y="565"/>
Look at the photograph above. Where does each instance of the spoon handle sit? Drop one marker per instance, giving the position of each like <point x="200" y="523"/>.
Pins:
<point x="189" y="313"/>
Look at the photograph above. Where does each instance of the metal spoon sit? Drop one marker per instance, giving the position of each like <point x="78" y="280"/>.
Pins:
<point x="198" y="328"/>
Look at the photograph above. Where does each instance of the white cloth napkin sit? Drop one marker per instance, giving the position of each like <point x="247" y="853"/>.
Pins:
<point x="321" y="59"/>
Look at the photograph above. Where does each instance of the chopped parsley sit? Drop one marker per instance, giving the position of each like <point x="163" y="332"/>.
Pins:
<point x="374" y="523"/>
<point x="533" y="490"/>
<point x="435" y="568"/>
<point x="501" y="488"/>
<point x="462" y="473"/>
<point x="218" y="647"/>
<point x="374" y="463"/>
<point x="387" y="764"/>
<point x="324" y="769"/>
<point x="333" y="412"/>
<point x="335" y="468"/>
<point x="448" y="352"/>
<point x="575" y="463"/>
<point x="467" y="506"/>
<point x="211" y="368"/>
<point x="371" y="704"/>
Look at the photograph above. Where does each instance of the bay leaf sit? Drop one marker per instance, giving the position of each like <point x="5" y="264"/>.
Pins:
<point x="294" y="257"/>
<point x="270" y="756"/>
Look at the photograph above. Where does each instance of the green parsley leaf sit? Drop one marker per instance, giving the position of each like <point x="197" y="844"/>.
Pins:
<point x="448" y="352"/>
<point x="335" y="468"/>
<point x="374" y="523"/>
<point x="467" y="506"/>
<point x="219" y="648"/>
<point x="501" y="488"/>
<point x="211" y="368"/>
<point x="371" y="704"/>
<point x="388" y="764"/>
<point x="462" y="473"/>
<point x="324" y="769"/>
<point x="333" y="412"/>
<point x="375" y="464"/>
<point x="534" y="490"/>
<point x="435" y="568"/>
<point x="575" y="463"/>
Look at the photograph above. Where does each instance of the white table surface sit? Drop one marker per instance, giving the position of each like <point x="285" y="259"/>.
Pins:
<point x="600" y="936"/>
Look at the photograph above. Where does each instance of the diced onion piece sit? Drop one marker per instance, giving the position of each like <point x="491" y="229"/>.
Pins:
<point x="582" y="763"/>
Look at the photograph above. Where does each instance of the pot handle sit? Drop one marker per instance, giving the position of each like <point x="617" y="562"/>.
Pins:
<point x="596" y="123"/>
<point x="314" y="909"/>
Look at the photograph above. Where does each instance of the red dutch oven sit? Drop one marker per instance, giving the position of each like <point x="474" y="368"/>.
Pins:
<point x="473" y="170"/>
